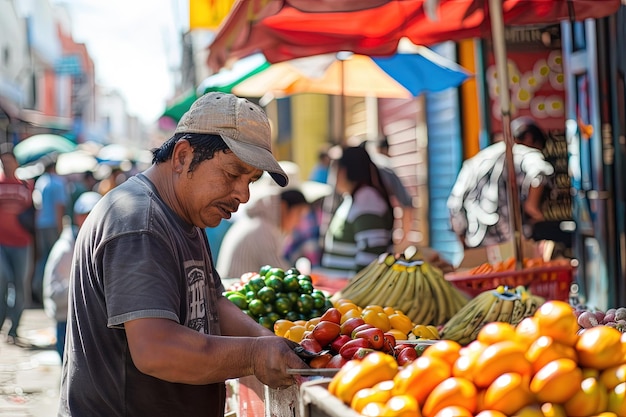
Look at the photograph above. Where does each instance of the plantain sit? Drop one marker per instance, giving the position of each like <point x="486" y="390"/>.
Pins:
<point x="465" y="324"/>
<point x="407" y="300"/>
<point x="399" y="286"/>
<point x="362" y="282"/>
<point x="376" y="292"/>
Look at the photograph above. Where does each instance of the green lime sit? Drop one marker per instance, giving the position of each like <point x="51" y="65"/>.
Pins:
<point x="266" y="322"/>
<point x="292" y="271"/>
<point x="292" y="316"/>
<point x="266" y="294"/>
<point x="273" y="316"/>
<point x="250" y="295"/>
<point x="305" y="287"/>
<point x="282" y="305"/>
<point x="306" y="277"/>
<point x="293" y="297"/>
<point x="275" y="271"/>
<point x="275" y="282"/>
<point x="269" y="307"/>
<point x="290" y="283"/>
<point x="318" y="300"/>
<point x="315" y="313"/>
<point x="257" y="283"/>
<point x="256" y="307"/>
<point x="263" y="270"/>
<point x="305" y="303"/>
<point x="238" y="300"/>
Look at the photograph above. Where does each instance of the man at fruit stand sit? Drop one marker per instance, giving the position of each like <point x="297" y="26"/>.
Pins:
<point x="149" y="332"/>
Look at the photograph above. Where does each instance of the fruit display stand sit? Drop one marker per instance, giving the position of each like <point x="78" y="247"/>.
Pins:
<point x="551" y="282"/>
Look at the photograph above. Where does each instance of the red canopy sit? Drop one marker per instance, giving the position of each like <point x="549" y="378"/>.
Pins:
<point x="287" y="29"/>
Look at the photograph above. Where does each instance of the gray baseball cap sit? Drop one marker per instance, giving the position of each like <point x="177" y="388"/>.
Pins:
<point x="243" y="125"/>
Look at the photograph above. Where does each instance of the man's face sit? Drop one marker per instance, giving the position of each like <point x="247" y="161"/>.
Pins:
<point x="214" y="189"/>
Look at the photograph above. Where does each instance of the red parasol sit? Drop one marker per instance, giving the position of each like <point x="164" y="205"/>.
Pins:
<point x="287" y="29"/>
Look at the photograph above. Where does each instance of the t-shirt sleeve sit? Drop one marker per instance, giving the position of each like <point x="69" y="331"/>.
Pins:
<point x="138" y="272"/>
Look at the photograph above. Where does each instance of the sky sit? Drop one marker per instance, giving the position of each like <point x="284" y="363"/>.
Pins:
<point x="135" y="46"/>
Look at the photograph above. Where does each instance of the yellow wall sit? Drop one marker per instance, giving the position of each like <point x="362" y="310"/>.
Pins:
<point x="310" y="124"/>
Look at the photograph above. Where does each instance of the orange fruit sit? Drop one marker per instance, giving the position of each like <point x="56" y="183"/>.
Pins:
<point x="508" y="394"/>
<point x="590" y="398"/>
<point x="490" y="413"/>
<point x="552" y="410"/>
<point x="388" y="310"/>
<point x="349" y="314"/>
<point x="614" y="375"/>
<point x="380" y="393"/>
<point x="617" y="399"/>
<point x="600" y="347"/>
<point x="453" y="411"/>
<point x="557" y="381"/>
<point x="402" y="406"/>
<point x="451" y="392"/>
<point x="496" y="331"/>
<point x="295" y="333"/>
<point x="557" y="320"/>
<point x="545" y="349"/>
<point x="400" y="322"/>
<point x="500" y="358"/>
<point x="374" y="409"/>
<point x="464" y="366"/>
<point x="527" y="331"/>
<point x="447" y="350"/>
<point x="281" y="326"/>
<point x="346" y="306"/>
<point x="529" y="411"/>
<point x="419" y="377"/>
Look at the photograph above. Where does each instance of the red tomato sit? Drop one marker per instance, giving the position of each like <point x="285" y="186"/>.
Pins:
<point x="337" y="361"/>
<point x="389" y="342"/>
<point x="339" y="341"/>
<point x="325" y="332"/>
<point x="311" y="345"/>
<point x="359" y="328"/>
<point x="406" y="355"/>
<point x="349" y="325"/>
<point x="332" y="314"/>
<point x="348" y="349"/>
<point x="374" y="335"/>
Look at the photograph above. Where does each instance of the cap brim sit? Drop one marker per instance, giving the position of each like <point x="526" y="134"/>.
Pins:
<point x="259" y="158"/>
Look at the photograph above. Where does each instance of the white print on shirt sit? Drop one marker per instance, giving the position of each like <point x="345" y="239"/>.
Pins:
<point x="197" y="303"/>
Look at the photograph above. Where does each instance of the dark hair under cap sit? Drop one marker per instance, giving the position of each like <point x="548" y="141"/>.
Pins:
<point x="356" y="160"/>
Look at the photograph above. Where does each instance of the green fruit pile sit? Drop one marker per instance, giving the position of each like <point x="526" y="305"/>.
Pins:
<point x="273" y="294"/>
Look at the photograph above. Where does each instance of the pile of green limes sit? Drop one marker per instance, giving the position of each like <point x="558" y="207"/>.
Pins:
<point x="274" y="294"/>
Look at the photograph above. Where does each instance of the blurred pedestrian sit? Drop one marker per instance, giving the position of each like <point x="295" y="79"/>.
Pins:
<point x="51" y="199"/>
<point x="319" y="172"/>
<point x="149" y="331"/>
<point x="478" y="203"/>
<point x="361" y="227"/>
<point x="398" y="192"/>
<point x="258" y="237"/>
<point x="56" y="277"/>
<point x="16" y="243"/>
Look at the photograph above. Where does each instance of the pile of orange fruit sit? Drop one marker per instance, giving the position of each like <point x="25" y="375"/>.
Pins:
<point x="541" y="367"/>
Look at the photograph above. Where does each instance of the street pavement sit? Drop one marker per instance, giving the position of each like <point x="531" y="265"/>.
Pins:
<point x="30" y="374"/>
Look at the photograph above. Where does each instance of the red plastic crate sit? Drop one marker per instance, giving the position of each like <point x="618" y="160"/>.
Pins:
<point x="550" y="282"/>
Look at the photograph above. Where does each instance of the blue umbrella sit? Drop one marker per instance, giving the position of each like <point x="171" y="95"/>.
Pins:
<point x="36" y="147"/>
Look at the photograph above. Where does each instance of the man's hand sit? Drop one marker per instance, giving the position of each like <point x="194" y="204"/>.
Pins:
<point x="272" y="356"/>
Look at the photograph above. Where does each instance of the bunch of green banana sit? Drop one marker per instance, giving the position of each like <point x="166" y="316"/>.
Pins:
<point x="501" y="304"/>
<point x="407" y="283"/>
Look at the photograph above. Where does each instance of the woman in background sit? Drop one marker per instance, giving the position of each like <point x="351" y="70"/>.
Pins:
<point x="361" y="227"/>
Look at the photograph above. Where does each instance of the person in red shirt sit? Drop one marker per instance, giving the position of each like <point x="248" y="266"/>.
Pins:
<point x="16" y="243"/>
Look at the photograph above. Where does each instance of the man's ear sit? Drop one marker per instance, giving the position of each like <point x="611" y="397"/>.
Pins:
<point x="182" y="155"/>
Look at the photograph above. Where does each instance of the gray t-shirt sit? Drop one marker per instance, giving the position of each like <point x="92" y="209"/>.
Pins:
<point x="135" y="258"/>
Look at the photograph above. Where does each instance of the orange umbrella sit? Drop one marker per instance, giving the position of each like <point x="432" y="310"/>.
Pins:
<point x="404" y="75"/>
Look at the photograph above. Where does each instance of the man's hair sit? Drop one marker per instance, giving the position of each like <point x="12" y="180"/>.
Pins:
<point x="204" y="147"/>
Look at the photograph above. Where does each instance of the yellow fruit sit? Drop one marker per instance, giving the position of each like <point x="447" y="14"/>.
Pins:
<point x="448" y="350"/>
<point x="420" y="377"/>
<point x="508" y="394"/>
<point x="453" y="411"/>
<point x="451" y="392"/>
<point x="398" y="334"/>
<point x="465" y="364"/>
<point x="281" y="326"/>
<point x="545" y="349"/>
<point x="590" y="398"/>
<point x="529" y="411"/>
<point x="600" y="347"/>
<point x="367" y="395"/>
<point x="617" y="400"/>
<point x="556" y="319"/>
<point x="374" y="409"/>
<point x="295" y="333"/>
<point x="500" y="358"/>
<point x="552" y="410"/>
<point x="496" y="331"/>
<point x="490" y="413"/>
<point x="402" y="406"/>
<point x="614" y="375"/>
<point x="527" y="331"/>
<point x="557" y="381"/>
<point x="400" y="322"/>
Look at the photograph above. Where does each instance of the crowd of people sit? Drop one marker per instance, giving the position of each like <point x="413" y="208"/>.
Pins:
<point x="133" y="279"/>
